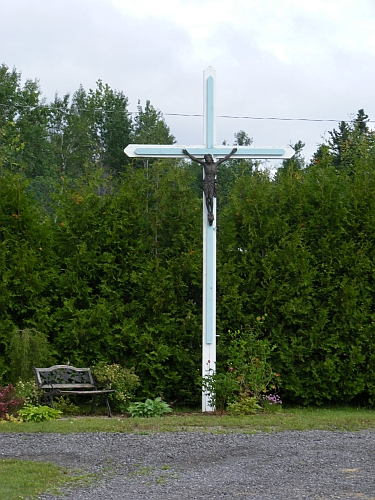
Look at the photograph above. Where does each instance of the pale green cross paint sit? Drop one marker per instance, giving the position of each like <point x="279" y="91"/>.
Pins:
<point x="209" y="232"/>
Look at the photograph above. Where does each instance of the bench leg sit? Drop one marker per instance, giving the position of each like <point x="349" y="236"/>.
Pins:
<point x="51" y="401"/>
<point x="108" y="408"/>
<point x="93" y="404"/>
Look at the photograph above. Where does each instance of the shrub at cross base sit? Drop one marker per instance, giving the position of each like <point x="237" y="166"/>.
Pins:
<point x="222" y="388"/>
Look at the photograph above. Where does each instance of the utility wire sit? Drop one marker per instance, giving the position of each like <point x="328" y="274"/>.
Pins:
<point x="274" y="118"/>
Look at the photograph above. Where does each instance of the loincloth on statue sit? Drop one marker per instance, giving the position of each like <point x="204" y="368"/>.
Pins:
<point x="210" y="188"/>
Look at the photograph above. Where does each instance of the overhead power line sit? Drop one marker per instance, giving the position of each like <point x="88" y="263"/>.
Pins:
<point x="270" y="118"/>
<point x="200" y="115"/>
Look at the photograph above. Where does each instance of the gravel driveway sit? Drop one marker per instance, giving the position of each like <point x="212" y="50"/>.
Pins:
<point x="284" y="465"/>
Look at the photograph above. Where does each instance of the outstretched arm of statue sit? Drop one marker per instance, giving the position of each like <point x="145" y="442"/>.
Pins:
<point x="227" y="157"/>
<point x="186" y="152"/>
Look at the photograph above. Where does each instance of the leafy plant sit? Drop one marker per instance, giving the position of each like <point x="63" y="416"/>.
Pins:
<point x="28" y="390"/>
<point x="150" y="408"/>
<point x="245" y="406"/>
<point x="10" y="403"/>
<point x="10" y="418"/>
<point x="221" y="387"/>
<point x="66" y="406"/>
<point x="249" y="359"/>
<point x="114" y="376"/>
<point x="28" y="347"/>
<point x="32" y="413"/>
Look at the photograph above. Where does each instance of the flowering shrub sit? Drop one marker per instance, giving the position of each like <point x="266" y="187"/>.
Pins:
<point x="273" y="399"/>
<point x="28" y="390"/>
<point x="114" y="376"/>
<point x="9" y="402"/>
<point x="271" y="403"/>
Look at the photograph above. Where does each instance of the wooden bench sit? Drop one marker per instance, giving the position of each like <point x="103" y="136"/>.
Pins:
<point x="62" y="380"/>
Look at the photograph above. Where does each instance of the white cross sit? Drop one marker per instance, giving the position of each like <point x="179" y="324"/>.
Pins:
<point x="209" y="231"/>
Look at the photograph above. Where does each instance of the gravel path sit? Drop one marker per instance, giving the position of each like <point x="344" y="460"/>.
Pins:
<point x="285" y="465"/>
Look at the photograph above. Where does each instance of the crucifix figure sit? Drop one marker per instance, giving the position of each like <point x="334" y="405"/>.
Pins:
<point x="209" y="181"/>
<point x="210" y="153"/>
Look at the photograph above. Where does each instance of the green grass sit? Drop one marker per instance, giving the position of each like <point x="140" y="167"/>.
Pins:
<point x="341" y="419"/>
<point x="26" y="479"/>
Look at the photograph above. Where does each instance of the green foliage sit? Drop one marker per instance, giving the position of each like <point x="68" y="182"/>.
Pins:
<point x="230" y="171"/>
<point x="65" y="406"/>
<point x="31" y="413"/>
<point x="294" y="164"/>
<point x="221" y="387"/>
<point x="103" y="256"/>
<point x="245" y="406"/>
<point x="150" y="408"/>
<point x="28" y="391"/>
<point x="90" y="132"/>
<point x="28" y="348"/>
<point x="248" y="356"/>
<point x="114" y="376"/>
<point x="26" y="271"/>
<point x="150" y="127"/>
<point x="304" y="247"/>
<point x="129" y="288"/>
<point x="23" y="122"/>
<point x="249" y="374"/>
<point x="352" y="143"/>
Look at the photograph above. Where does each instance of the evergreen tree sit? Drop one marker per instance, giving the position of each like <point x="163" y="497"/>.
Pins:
<point x="150" y="127"/>
<point x="351" y="142"/>
<point x="92" y="132"/>
<point x="294" y="164"/>
<point x="23" y="121"/>
<point x="26" y="264"/>
<point x="233" y="169"/>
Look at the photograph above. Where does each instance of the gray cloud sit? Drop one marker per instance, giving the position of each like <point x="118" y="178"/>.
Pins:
<point x="68" y="43"/>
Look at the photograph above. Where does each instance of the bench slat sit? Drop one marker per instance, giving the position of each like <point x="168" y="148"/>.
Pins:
<point x="68" y="386"/>
<point x="104" y="391"/>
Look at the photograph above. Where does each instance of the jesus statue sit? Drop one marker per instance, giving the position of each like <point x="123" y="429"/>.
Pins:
<point x="209" y="181"/>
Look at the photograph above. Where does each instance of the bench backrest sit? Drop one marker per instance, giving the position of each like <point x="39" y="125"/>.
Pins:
<point x="64" y="377"/>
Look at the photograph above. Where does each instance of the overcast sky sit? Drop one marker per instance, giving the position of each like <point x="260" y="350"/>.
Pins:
<point x="310" y="59"/>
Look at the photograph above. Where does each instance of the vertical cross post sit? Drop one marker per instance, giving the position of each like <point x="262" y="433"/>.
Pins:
<point x="209" y="246"/>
